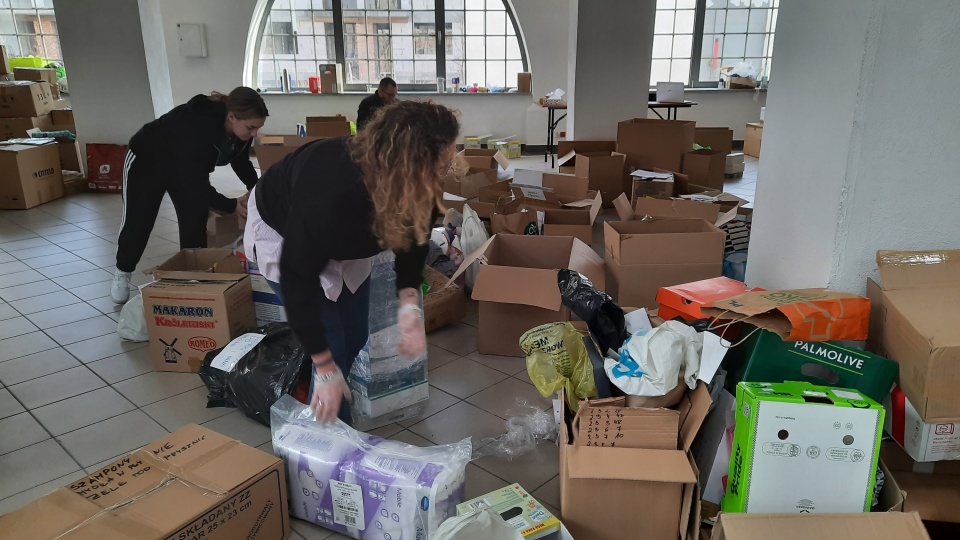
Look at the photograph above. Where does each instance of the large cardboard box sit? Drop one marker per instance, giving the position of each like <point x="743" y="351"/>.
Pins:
<point x="764" y="357"/>
<point x="328" y="126"/>
<point x="688" y="201"/>
<point x="655" y="143"/>
<point x="191" y="484"/>
<point x="194" y="307"/>
<point x="931" y="489"/>
<point x="469" y="186"/>
<point x="62" y="117"/>
<point x="875" y="526"/>
<point x="752" y="139"/>
<point x="485" y="158"/>
<point x="442" y="305"/>
<point x="517" y="285"/>
<point x="569" y="150"/>
<point x="801" y="448"/>
<point x="30" y="174"/>
<point x="705" y="167"/>
<point x="568" y="208"/>
<point x="923" y="442"/>
<point x="717" y="138"/>
<point x="48" y="75"/>
<point x="273" y="148"/>
<point x="651" y="184"/>
<point x="613" y="492"/>
<point x="909" y="324"/>
<point x="643" y="256"/>
<point x="16" y="128"/>
<point x="605" y="171"/>
<point x="20" y="99"/>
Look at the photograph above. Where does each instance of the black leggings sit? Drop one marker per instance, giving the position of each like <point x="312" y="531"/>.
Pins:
<point x="144" y="183"/>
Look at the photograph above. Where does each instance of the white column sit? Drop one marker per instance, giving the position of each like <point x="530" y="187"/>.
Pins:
<point x="858" y="148"/>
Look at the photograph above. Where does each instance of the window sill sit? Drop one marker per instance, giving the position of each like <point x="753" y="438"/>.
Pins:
<point x="721" y="89"/>
<point x="402" y="94"/>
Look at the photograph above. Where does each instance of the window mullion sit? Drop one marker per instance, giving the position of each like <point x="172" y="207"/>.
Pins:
<point x="338" y="36"/>
<point x="440" y="23"/>
<point x="697" y="46"/>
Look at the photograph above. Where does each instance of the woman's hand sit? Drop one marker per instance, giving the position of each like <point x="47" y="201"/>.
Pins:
<point x="241" y="211"/>
<point x="413" y="339"/>
<point x="329" y="388"/>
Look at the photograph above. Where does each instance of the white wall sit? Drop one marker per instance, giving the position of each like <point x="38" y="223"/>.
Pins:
<point x="103" y="48"/>
<point x="864" y="165"/>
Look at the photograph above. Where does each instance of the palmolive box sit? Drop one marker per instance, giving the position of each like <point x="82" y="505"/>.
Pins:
<point x="922" y="441"/>
<point x="800" y="448"/>
<point x="193" y="484"/>
<point x="194" y="307"/>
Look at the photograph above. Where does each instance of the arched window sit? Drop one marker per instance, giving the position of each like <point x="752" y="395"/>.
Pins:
<point x="415" y="42"/>
<point x="29" y="28"/>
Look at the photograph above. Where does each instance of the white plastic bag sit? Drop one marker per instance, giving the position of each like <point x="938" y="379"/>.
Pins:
<point x="483" y="524"/>
<point x="132" y="326"/>
<point x="743" y="69"/>
<point x="474" y="235"/>
<point x="651" y="360"/>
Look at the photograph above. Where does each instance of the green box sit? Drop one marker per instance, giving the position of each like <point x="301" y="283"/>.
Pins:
<point x="800" y="448"/>
<point x="764" y="357"/>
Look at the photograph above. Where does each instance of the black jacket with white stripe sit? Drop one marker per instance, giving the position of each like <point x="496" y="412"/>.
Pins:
<point x="189" y="142"/>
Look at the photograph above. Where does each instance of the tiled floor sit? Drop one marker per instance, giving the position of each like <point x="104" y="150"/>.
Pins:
<point x="73" y="396"/>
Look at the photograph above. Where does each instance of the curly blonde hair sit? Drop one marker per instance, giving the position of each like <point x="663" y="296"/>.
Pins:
<point x="402" y="152"/>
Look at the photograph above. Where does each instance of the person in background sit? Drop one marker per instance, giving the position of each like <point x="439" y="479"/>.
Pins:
<point x="386" y="94"/>
<point x="317" y="217"/>
<point x="175" y="154"/>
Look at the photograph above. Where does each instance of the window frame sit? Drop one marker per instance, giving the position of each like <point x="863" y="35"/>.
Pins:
<point x="696" y="50"/>
<point x="440" y="45"/>
<point x="40" y="33"/>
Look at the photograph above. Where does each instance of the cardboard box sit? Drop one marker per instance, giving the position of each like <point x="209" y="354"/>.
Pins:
<point x="653" y="184"/>
<point x="222" y="231"/>
<point x="875" y="526"/>
<point x="193" y="483"/>
<point x="896" y="459"/>
<point x="719" y="139"/>
<point x="611" y="493"/>
<point x="803" y="448"/>
<point x="469" y="186"/>
<point x="485" y="158"/>
<point x="569" y="150"/>
<point x="442" y="306"/>
<point x="273" y="148"/>
<point x="931" y="489"/>
<point x="328" y="126"/>
<point x="752" y="140"/>
<point x="923" y="442"/>
<point x="643" y="256"/>
<point x="764" y="357"/>
<point x="20" y="99"/>
<point x="517" y="285"/>
<point x="48" y="75"/>
<point x="524" y="82"/>
<point x="62" y="116"/>
<point x="195" y="308"/>
<point x="705" y="167"/>
<point x="908" y="324"/>
<point x="266" y="303"/>
<point x="16" y="128"/>
<point x="605" y="171"/>
<point x="30" y="174"/>
<point x="69" y="152"/>
<point x="688" y="201"/>
<point x="651" y="143"/>
<point x="331" y="79"/>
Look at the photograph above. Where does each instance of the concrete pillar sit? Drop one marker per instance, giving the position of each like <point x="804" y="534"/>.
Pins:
<point x="103" y="51"/>
<point x="857" y="150"/>
<point x="611" y="43"/>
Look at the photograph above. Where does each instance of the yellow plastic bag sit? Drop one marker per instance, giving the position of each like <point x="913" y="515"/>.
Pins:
<point x="557" y="358"/>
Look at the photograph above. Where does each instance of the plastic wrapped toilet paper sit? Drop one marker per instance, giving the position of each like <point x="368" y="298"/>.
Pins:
<point x="364" y="486"/>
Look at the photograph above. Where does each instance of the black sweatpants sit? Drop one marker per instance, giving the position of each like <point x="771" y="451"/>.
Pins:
<point x="144" y="183"/>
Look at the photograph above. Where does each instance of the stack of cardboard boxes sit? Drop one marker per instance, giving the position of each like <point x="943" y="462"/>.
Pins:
<point x="30" y="171"/>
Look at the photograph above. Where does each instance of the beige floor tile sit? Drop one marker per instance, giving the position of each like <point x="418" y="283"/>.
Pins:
<point x="437" y="357"/>
<point x="511" y="365"/>
<point x="91" y="350"/>
<point x="439" y="400"/>
<point x="463" y="378"/>
<point x="9" y="405"/>
<point x="457" y="338"/>
<point x="157" y="385"/>
<point x="458" y="422"/>
<point x="549" y="493"/>
<point x="28" y="290"/>
<point x="44" y="302"/>
<point x="123" y="366"/>
<point x="16" y="326"/>
<point x="83" y="410"/>
<point x="480" y="482"/>
<point x="24" y="345"/>
<point x="56" y="387"/>
<point x="21" y="470"/>
<point x="116" y="436"/>
<point x="510" y="397"/>
<point x="237" y="426"/>
<point x="99" y="325"/>
<point x="411" y="438"/>
<point x="63" y="315"/>
<point x="186" y="408"/>
<point x="19" y="431"/>
<point x="36" y="365"/>
<point x="532" y="469"/>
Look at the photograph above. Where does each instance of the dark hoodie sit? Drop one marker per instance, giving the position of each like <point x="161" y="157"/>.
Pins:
<point x="189" y="142"/>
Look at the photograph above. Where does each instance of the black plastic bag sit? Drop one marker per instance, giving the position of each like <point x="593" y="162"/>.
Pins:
<point x="603" y="316"/>
<point x="262" y="376"/>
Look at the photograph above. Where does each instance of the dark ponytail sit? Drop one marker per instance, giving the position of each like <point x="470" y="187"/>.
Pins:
<point x="245" y="103"/>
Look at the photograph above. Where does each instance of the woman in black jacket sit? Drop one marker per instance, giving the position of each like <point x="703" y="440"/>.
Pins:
<point x="175" y="154"/>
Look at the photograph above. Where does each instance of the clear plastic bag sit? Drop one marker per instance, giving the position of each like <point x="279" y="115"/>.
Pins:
<point x="557" y="358"/>
<point x="132" y="326"/>
<point x="361" y="485"/>
<point x="526" y="426"/>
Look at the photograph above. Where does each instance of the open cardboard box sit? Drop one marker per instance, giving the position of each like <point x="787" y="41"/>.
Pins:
<point x="932" y="489"/>
<point x="470" y="184"/>
<point x="615" y="492"/>
<point x="869" y="526"/>
<point x="568" y="151"/>
<point x="273" y="148"/>
<point x="517" y="285"/>
<point x="485" y="158"/>
<point x="689" y="201"/>
<point x="910" y="324"/>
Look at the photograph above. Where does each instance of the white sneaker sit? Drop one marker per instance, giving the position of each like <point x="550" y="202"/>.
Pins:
<point x="120" y="292"/>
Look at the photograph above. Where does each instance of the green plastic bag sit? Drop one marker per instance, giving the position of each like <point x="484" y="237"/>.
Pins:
<point x="557" y="358"/>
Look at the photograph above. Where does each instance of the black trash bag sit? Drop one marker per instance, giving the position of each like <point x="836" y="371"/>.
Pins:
<point x="603" y="316"/>
<point x="265" y="374"/>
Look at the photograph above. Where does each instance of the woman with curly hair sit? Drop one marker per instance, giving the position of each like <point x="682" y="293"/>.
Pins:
<point x="317" y="218"/>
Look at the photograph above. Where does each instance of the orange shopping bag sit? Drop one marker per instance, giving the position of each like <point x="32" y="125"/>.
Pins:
<point x="797" y="315"/>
